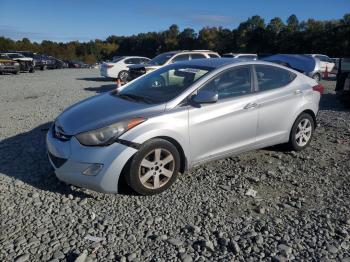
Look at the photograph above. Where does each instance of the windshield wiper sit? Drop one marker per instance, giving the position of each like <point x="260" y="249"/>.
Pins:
<point x="136" y="98"/>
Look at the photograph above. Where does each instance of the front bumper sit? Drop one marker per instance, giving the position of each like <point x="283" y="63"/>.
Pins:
<point x="70" y="159"/>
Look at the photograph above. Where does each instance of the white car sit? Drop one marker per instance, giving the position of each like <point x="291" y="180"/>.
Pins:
<point x="326" y="62"/>
<point x="118" y="68"/>
<point x="241" y="56"/>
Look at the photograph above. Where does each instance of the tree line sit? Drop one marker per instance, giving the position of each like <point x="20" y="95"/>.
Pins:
<point x="331" y="37"/>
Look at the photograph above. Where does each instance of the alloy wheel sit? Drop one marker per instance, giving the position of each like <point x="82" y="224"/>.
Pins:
<point x="156" y="168"/>
<point x="303" y="133"/>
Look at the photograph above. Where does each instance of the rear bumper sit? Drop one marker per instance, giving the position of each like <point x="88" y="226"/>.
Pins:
<point x="9" y="69"/>
<point x="70" y="159"/>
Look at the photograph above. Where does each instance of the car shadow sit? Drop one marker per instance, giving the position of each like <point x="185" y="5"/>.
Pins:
<point x="23" y="157"/>
<point x="96" y="79"/>
<point x="329" y="101"/>
<point x="101" y="89"/>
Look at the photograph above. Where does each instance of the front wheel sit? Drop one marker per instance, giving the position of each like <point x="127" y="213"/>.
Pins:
<point x="154" y="168"/>
<point x="302" y="131"/>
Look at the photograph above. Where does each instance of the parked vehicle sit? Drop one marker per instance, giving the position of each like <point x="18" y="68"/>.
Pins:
<point x="26" y="63"/>
<point x="38" y="60"/>
<point x="343" y="81"/>
<point x="119" y="67"/>
<point x="305" y="64"/>
<point x="180" y="116"/>
<point x="7" y="65"/>
<point x="241" y="56"/>
<point x="326" y="62"/>
<point x="167" y="58"/>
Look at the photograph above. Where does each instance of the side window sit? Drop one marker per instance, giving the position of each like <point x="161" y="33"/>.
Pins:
<point x="231" y="83"/>
<point x="213" y="56"/>
<point x="144" y="60"/>
<point x="181" y="58"/>
<point x="131" y="61"/>
<point x="197" y="56"/>
<point x="271" y="77"/>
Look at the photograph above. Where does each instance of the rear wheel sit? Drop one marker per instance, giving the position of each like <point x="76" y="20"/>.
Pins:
<point x="123" y="76"/>
<point x="317" y="77"/>
<point x="302" y="131"/>
<point x="154" y="168"/>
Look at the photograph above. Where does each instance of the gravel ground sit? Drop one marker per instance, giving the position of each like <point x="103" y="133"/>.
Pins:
<point x="301" y="210"/>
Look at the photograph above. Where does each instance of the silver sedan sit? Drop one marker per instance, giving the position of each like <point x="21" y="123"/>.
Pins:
<point x="180" y="116"/>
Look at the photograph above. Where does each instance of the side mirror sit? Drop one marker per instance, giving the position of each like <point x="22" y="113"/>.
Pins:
<point x="205" y="97"/>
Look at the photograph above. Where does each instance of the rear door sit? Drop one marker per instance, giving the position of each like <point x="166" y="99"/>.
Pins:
<point x="229" y="125"/>
<point x="278" y="99"/>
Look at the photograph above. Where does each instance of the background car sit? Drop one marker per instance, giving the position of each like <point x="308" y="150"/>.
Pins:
<point x="326" y="62"/>
<point x="38" y="60"/>
<point x="119" y="67"/>
<point x="305" y="64"/>
<point x="7" y="65"/>
<point x="241" y="56"/>
<point x="168" y="58"/>
<point x="26" y="63"/>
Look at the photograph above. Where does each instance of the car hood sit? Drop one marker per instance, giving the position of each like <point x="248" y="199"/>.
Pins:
<point x="6" y="61"/>
<point x="103" y="110"/>
<point x="24" y="59"/>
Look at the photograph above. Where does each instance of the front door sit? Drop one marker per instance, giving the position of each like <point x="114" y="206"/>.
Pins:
<point x="229" y="125"/>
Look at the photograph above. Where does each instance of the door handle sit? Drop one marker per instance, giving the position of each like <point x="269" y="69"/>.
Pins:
<point x="251" y="106"/>
<point x="298" y="92"/>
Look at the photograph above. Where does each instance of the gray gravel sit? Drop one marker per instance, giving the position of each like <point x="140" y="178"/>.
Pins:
<point x="297" y="208"/>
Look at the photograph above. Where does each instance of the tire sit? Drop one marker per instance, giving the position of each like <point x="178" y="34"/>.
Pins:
<point x="148" y="167"/>
<point x="302" y="132"/>
<point x="317" y="77"/>
<point x="123" y="76"/>
<point x="31" y="70"/>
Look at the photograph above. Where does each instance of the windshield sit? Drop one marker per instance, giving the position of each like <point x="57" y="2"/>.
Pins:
<point x="160" y="59"/>
<point x="163" y="84"/>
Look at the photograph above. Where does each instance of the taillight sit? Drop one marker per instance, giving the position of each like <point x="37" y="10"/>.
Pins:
<point x="109" y="66"/>
<point x="318" y="88"/>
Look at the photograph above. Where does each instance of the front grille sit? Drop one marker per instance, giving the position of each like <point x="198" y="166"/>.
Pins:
<point x="57" y="161"/>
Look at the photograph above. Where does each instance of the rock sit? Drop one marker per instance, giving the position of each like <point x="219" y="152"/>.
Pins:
<point x="132" y="256"/>
<point x="209" y="245"/>
<point x="251" y="192"/>
<point x="22" y="258"/>
<point x="83" y="202"/>
<point x="186" y="258"/>
<point x="332" y="249"/>
<point x="175" y="241"/>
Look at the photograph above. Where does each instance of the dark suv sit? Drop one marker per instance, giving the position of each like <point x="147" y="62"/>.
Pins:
<point x="343" y="80"/>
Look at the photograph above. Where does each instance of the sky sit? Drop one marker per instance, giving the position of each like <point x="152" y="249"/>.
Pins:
<point x="84" y="20"/>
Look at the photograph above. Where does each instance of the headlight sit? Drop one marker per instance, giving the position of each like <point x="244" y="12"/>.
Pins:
<point x="1" y="63"/>
<point x="107" y="135"/>
<point x="16" y="64"/>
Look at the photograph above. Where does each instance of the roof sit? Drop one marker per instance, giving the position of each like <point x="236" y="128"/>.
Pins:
<point x="212" y="62"/>
<point x="188" y="51"/>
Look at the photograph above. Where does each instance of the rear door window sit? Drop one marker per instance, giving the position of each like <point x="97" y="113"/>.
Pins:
<point x="197" y="56"/>
<point x="271" y="77"/>
<point x="181" y="58"/>
<point x="213" y="56"/>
